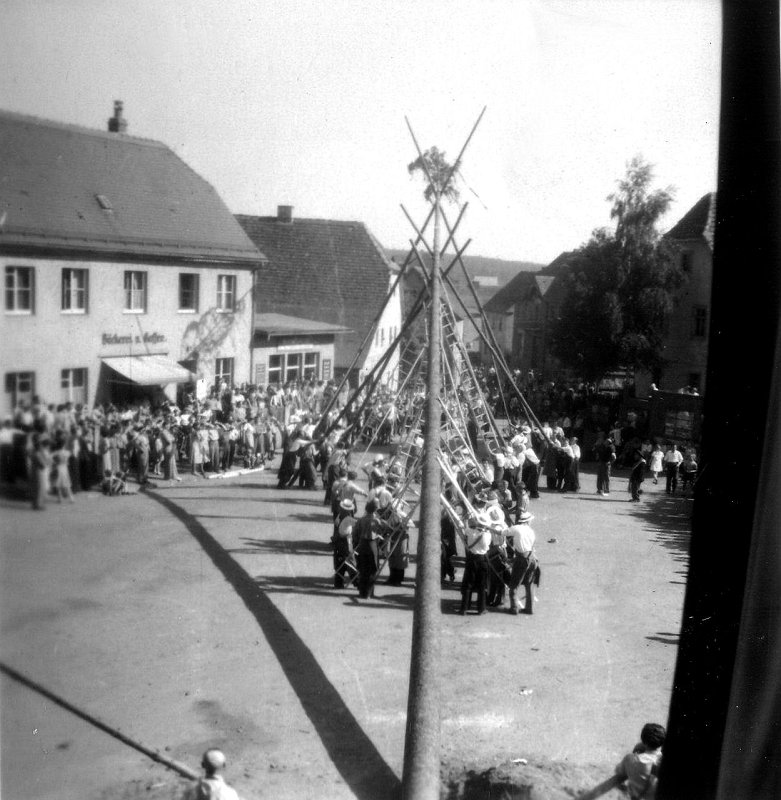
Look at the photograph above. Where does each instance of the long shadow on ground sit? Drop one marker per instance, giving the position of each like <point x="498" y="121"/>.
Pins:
<point x="668" y="517"/>
<point x="351" y="750"/>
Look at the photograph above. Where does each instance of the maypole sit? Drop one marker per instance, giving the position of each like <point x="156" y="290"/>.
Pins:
<point x="421" y="779"/>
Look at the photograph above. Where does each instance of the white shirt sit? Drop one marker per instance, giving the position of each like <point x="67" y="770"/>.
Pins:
<point x="213" y="788"/>
<point x="522" y="537"/>
<point x="673" y="457"/>
<point x="478" y="541"/>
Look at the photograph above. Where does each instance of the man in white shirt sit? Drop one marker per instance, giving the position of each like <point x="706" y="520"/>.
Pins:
<point x="526" y="569"/>
<point x="672" y="462"/>
<point x="477" y="541"/>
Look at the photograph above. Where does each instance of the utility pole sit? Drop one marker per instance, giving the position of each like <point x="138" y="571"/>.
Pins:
<point x="422" y="744"/>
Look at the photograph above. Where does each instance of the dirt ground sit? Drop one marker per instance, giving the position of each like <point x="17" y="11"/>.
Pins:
<point x="202" y="613"/>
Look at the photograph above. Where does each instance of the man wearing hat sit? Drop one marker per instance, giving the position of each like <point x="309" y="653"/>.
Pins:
<point x="477" y="540"/>
<point x="342" y="541"/>
<point x="212" y="785"/>
<point x="526" y="568"/>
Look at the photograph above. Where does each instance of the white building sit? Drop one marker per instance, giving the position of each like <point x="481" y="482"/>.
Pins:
<point x="125" y="274"/>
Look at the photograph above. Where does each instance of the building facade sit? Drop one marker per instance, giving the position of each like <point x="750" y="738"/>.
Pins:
<point x="686" y="338"/>
<point x="333" y="272"/>
<point x="287" y="349"/>
<point x="125" y="276"/>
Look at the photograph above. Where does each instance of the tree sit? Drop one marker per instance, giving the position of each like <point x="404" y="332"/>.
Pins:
<point x="433" y="164"/>
<point x="620" y="285"/>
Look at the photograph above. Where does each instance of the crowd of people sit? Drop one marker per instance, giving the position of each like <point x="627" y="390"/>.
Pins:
<point x="64" y="449"/>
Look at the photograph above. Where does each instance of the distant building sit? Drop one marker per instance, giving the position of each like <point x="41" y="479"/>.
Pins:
<point x="288" y="348"/>
<point x="331" y="272"/>
<point x="686" y="338"/>
<point x="522" y="315"/>
<point x="125" y="275"/>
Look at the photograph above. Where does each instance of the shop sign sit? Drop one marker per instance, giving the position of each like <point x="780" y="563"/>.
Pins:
<point x="141" y="338"/>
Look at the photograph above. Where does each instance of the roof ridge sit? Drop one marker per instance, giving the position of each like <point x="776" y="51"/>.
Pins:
<point x="273" y="218"/>
<point x="31" y="119"/>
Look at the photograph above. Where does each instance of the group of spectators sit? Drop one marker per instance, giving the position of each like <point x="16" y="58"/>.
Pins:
<point x="63" y="449"/>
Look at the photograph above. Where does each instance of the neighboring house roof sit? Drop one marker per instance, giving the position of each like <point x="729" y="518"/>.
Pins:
<point x="510" y="294"/>
<point x="544" y="282"/>
<point x="558" y="264"/>
<point x="698" y="222"/>
<point x="75" y="190"/>
<point x="283" y="325"/>
<point x="325" y="270"/>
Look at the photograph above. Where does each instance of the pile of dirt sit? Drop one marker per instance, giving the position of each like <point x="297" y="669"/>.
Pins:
<point x="522" y="779"/>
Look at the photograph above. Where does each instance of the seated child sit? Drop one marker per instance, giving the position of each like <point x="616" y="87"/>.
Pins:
<point x="640" y="768"/>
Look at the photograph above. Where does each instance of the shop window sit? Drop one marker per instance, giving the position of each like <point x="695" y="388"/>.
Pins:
<point x="275" y="367"/>
<point x="21" y="387"/>
<point x="226" y="292"/>
<point x="310" y="365"/>
<point x="19" y="290"/>
<point x="223" y="371"/>
<point x="188" y="291"/>
<point x="135" y="292"/>
<point x="73" y="383"/>
<point x="74" y="291"/>
<point x="292" y="367"/>
<point x="699" y="321"/>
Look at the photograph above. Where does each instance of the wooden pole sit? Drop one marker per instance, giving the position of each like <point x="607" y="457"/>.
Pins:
<point x="155" y="755"/>
<point x="421" y="780"/>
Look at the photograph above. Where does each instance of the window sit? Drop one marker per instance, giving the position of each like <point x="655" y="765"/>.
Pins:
<point x="687" y="260"/>
<point x="310" y="364"/>
<point x="19" y="293"/>
<point x="21" y="387"/>
<point x="223" y="371"/>
<point x="699" y="320"/>
<point x="73" y="383"/>
<point x="275" y="367"/>
<point x="74" y="291"/>
<point x="293" y="366"/>
<point x="188" y="291"/>
<point x="135" y="292"/>
<point x="226" y="292"/>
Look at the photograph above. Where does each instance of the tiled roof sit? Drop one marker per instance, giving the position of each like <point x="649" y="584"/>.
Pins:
<point x="557" y="265"/>
<point x="285" y="325"/>
<point x="698" y="222"/>
<point x="511" y="293"/>
<point x="73" y="189"/>
<point x="325" y="270"/>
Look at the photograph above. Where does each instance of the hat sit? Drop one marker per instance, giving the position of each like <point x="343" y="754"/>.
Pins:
<point x="525" y="516"/>
<point x="347" y="504"/>
<point x="379" y="459"/>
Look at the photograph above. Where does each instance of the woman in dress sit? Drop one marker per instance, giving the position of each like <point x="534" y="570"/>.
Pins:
<point x="656" y="466"/>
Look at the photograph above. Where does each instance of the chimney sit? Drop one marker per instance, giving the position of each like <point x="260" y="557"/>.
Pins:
<point x="117" y="124"/>
<point x="284" y="213"/>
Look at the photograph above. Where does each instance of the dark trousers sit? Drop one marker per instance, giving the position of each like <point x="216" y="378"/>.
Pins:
<point x="671" y="473"/>
<point x="475" y="580"/>
<point x="368" y="564"/>
<point x="603" y="477"/>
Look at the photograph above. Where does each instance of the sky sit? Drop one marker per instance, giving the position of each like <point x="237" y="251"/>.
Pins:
<point x="304" y="103"/>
